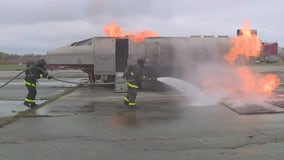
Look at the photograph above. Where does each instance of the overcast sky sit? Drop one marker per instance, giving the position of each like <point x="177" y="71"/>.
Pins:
<point x="36" y="26"/>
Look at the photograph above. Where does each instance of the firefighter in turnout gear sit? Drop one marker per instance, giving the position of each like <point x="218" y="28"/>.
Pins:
<point x="32" y="74"/>
<point x="134" y="76"/>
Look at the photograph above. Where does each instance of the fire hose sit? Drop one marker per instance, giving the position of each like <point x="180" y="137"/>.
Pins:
<point x="54" y="78"/>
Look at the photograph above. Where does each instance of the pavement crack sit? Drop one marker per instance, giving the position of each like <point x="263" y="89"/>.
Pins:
<point x="255" y="143"/>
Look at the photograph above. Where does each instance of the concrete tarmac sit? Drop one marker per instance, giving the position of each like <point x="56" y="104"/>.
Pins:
<point x="93" y="123"/>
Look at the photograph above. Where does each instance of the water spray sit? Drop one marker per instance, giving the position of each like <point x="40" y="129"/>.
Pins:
<point x="193" y="94"/>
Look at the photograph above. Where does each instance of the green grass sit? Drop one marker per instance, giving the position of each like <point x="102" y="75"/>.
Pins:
<point x="11" y="67"/>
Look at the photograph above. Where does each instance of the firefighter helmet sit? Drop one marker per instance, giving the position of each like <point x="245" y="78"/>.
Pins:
<point x="141" y="60"/>
<point x="41" y="63"/>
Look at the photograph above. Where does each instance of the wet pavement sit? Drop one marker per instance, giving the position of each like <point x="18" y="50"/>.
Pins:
<point x="13" y="94"/>
<point x="93" y="123"/>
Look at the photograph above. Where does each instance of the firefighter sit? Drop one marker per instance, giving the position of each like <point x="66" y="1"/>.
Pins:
<point x="32" y="74"/>
<point x="134" y="76"/>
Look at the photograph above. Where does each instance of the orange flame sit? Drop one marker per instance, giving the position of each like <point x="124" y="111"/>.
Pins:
<point x="244" y="82"/>
<point x="112" y="30"/>
<point x="268" y="83"/>
<point x="246" y="45"/>
<point x="265" y="84"/>
<point x="141" y="36"/>
<point x="248" y="80"/>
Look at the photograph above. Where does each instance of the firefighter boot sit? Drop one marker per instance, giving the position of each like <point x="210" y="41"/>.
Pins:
<point x="30" y="105"/>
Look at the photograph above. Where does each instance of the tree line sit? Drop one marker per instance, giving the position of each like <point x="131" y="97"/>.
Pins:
<point x="6" y="58"/>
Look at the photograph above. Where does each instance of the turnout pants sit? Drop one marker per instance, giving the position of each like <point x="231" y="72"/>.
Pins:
<point x="131" y="96"/>
<point x="30" y="98"/>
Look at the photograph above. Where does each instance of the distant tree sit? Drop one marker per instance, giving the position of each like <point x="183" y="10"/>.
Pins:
<point x="4" y="56"/>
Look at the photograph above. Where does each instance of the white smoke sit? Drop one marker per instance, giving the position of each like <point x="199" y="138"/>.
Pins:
<point x="204" y="76"/>
<point x="194" y="95"/>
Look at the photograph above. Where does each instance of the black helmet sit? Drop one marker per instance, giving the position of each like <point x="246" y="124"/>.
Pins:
<point x="141" y="60"/>
<point x="41" y="63"/>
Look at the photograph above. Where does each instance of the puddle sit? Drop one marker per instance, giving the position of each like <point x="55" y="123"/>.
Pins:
<point x="65" y="110"/>
<point x="152" y="112"/>
<point x="125" y="118"/>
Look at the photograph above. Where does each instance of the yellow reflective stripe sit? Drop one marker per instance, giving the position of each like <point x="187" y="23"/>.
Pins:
<point x="131" y="73"/>
<point x="40" y="75"/>
<point x="132" y="104"/>
<point x="126" y="99"/>
<point x="30" y="84"/>
<point x="132" y="85"/>
<point x="30" y="100"/>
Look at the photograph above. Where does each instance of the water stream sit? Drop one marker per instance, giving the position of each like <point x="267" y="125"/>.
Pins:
<point x="194" y="95"/>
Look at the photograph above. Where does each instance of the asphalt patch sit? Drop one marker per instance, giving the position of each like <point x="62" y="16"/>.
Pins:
<point x="277" y="102"/>
<point x="244" y="107"/>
